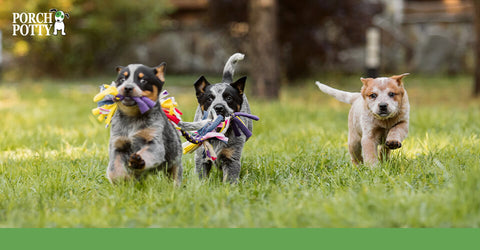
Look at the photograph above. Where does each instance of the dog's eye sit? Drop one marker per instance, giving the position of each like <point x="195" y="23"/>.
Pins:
<point x="391" y="94"/>
<point x="143" y="81"/>
<point x="210" y="99"/>
<point x="121" y="80"/>
<point x="373" y="96"/>
<point x="228" y="98"/>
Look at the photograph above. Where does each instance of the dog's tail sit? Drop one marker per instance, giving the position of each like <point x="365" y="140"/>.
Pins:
<point x="230" y="67"/>
<point x="343" y="96"/>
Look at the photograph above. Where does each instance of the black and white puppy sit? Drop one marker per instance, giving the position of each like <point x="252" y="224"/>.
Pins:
<point x="142" y="143"/>
<point x="223" y="99"/>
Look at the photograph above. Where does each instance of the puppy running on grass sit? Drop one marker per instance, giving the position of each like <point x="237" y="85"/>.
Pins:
<point x="379" y="116"/>
<point x="142" y="141"/>
<point x="223" y="99"/>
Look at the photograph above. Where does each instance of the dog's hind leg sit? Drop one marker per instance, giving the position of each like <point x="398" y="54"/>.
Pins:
<point x="202" y="166"/>
<point x="355" y="150"/>
<point x="231" y="171"/>
<point x="230" y="165"/>
<point x="175" y="172"/>
<point x="355" y="147"/>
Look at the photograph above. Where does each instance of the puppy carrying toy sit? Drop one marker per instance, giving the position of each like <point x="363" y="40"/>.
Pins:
<point x="379" y="116"/>
<point x="140" y="118"/>
<point x="226" y="99"/>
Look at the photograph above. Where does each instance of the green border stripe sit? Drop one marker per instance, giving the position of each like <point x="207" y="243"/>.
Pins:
<point x="240" y="238"/>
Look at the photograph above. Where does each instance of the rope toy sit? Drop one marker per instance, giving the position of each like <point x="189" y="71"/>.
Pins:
<point x="144" y="103"/>
<point x="203" y="135"/>
<point x="239" y="124"/>
<point x="107" y="104"/>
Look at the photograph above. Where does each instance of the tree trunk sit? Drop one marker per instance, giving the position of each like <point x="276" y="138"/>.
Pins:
<point x="476" y="87"/>
<point x="263" y="52"/>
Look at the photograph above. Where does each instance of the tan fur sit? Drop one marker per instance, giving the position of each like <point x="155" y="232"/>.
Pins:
<point x="202" y="86"/>
<point x="152" y="95"/>
<point x="369" y="126"/>
<point x="129" y="110"/>
<point x="118" y="172"/>
<point x="161" y="72"/>
<point x="227" y="152"/>
<point x="121" y="142"/>
<point x="125" y="73"/>
<point x="148" y="134"/>
<point x="140" y="75"/>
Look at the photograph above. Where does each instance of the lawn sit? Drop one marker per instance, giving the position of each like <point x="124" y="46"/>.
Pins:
<point x="296" y="170"/>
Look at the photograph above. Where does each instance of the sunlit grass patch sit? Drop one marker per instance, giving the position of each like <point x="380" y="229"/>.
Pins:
<point x="296" y="170"/>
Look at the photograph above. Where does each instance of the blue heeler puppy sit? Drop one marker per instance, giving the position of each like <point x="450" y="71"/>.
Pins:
<point x="223" y="99"/>
<point x="142" y="143"/>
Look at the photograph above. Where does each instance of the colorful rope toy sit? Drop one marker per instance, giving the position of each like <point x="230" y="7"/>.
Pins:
<point x="203" y="135"/>
<point x="107" y="104"/>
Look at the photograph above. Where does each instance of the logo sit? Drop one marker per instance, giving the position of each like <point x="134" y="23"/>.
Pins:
<point x="39" y="24"/>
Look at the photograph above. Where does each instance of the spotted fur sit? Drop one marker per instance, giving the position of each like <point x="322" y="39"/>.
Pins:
<point x="222" y="99"/>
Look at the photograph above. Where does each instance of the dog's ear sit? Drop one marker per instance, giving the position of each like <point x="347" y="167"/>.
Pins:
<point x="200" y="85"/>
<point x="119" y="68"/>
<point x="239" y="84"/>
<point x="365" y="80"/>
<point x="53" y="10"/>
<point x="160" y="71"/>
<point x="398" y="78"/>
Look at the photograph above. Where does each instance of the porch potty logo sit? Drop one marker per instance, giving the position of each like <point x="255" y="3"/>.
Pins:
<point x="39" y="24"/>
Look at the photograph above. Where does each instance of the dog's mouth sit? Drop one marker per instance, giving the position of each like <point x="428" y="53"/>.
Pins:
<point x="384" y="115"/>
<point x="213" y="115"/>
<point x="128" y="101"/>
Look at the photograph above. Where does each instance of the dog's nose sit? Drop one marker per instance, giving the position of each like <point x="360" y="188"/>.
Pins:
<point x="220" y="109"/>
<point x="383" y="106"/>
<point x="128" y="89"/>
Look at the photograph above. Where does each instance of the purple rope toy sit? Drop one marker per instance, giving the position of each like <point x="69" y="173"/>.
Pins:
<point x="238" y="125"/>
<point x="144" y="103"/>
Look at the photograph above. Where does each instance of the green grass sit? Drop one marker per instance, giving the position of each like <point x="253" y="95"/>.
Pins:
<point x="296" y="170"/>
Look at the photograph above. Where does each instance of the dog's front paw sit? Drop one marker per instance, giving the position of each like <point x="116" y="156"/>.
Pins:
<point x="136" y="162"/>
<point x="393" y="144"/>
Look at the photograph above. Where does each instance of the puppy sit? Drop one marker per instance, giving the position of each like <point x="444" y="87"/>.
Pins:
<point x="379" y="116"/>
<point x="142" y="143"/>
<point x="223" y="99"/>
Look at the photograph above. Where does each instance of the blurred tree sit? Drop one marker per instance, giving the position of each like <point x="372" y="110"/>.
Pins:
<point x="310" y="31"/>
<point x="476" y="86"/>
<point x="263" y="49"/>
<point x="99" y="32"/>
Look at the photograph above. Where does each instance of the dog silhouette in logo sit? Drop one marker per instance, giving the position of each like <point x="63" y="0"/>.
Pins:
<point x="59" y="25"/>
